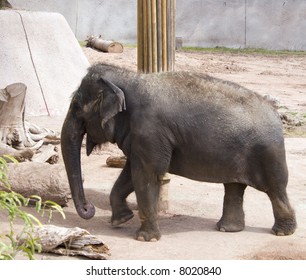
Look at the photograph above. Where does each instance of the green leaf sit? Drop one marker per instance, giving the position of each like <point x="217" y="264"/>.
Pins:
<point x="12" y="203"/>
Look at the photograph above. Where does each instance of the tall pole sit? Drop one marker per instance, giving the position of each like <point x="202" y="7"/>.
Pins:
<point x="140" y="37"/>
<point x="156" y="52"/>
<point x="156" y="35"/>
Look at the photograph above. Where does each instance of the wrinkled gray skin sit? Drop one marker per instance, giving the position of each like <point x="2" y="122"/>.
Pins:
<point x="187" y="124"/>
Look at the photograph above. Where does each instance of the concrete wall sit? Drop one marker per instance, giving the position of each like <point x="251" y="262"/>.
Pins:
<point x="211" y="23"/>
<point x="114" y="20"/>
<point x="270" y="24"/>
<point x="276" y="24"/>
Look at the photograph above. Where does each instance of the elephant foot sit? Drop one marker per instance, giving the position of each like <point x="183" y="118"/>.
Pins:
<point x="284" y="227"/>
<point x="122" y="217"/>
<point x="285" y="221"/>
<point x="232" y="219"/>
<point x="230" y="226"/>
<point x="151" y="236"/>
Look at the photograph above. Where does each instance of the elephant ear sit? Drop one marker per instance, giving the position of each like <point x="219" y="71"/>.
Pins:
<point x="113" y="102"/>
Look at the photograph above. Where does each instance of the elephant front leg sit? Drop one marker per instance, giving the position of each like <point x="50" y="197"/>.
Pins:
<point x="147" y="192"/>
<point x="232" y="219"/>
<point x="121" y="213"/>
<point x="147" y="198"/>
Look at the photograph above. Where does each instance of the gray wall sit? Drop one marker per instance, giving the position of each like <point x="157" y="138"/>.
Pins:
<point x="113" y="19"/>
<point x="270" y="24"/>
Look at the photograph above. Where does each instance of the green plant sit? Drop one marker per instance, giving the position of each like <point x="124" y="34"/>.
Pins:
<point x="83" y="44"/>
<point x="12" y="203"/>
<point x="294" y="114"/>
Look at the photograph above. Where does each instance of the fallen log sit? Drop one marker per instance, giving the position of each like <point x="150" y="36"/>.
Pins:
<point x="42" y="179"/>
<point x="70" y="242"/>
<point x="115" y="161"/>
<point x="104" y="45"/>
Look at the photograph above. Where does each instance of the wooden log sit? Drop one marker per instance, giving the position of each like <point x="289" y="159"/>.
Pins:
<point x="164" y="36"/>
<point x="163" y="203"/>
<point x="171" y="11"/>
<point x="173" y="15"/>
<point x="154" y="35"/>
<point x="140" y="46"/>
<point x="42" y="179"/>
<point x="149" y="34"/>
<point x="169" y="36"/>
<point x="156" y="51"/>
<point x="145" y="37"/>
<point x="71" y="242"/>
<point x="104" y="45"/>
<point x="159" y="36"/>
<point x="118" y="162"/>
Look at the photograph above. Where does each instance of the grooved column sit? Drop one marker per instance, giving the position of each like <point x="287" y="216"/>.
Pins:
<point x="156" y="35"/>
<point x="156" y="53"/>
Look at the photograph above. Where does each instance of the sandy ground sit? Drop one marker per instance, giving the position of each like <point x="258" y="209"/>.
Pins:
<point x="188" y="229"/>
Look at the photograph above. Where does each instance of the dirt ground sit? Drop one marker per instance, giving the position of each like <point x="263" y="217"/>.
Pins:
<point x="188" y="229"/>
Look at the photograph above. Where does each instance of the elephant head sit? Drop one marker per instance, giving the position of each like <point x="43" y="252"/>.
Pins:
<point x="92" y="111"/>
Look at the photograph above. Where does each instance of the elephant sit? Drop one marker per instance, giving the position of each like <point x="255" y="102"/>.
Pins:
<point x="189" y="124"/>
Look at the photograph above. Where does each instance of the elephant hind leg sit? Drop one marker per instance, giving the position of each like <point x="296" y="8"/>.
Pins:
<point x="232" y="219"/>
<point x="284" y="215"/>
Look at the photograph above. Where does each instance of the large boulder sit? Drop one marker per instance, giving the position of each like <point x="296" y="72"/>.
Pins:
<point x="40" y="50"/>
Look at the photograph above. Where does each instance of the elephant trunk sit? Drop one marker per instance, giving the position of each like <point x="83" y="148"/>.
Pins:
<point x="71" y="141"/>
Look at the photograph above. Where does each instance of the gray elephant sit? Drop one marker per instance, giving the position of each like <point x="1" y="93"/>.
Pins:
<point x="192" y="125"/>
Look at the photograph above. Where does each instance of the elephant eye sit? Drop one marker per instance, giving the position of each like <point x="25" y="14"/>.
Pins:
<point x="96" y="105"/>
